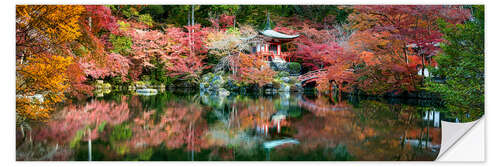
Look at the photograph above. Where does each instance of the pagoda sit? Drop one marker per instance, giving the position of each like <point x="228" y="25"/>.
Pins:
<point x="269" y="43"/>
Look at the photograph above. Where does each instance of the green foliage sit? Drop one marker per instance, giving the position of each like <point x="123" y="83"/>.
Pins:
<point x="76" y="139"/>
<point x="158" y="75"/>
<point x="296" y="113"/>
<point x="146" y="155"/>
<point x="101" y="127"/>
<point x="121" y="44"/>
<point x="233" y="30"/>
<point x="294" y="67"/>
<point x="245" y="14"/>
<point x="115" y="81"/>
<point x="80" y="51"/>
<point x="256" y="14"/>
<point x="121" y="149"/>
<point x="341" y="153"/>
<point x="145" y="78"/>
<point x="121" y="132"/>
<point x="128" y="11"/>
<point x="123" y="25"/>
<point x="156" y="11"/>
<point x="462" y="66"/>
<point x="146" y="19"/>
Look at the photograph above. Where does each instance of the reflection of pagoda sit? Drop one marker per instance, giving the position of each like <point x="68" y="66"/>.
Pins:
<point x="268" y="43"/>
<point x="277" y="120"/>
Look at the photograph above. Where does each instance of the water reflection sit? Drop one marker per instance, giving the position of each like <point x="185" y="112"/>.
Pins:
<point x="238" y="127"/>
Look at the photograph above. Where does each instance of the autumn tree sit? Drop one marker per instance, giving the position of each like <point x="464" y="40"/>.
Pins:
<point x="41" y="28"/>
<point x="253" y="70"/>
<point x="182" y="52"/>
<point x="40" y="84"/>
<point x="226" y="46"/>
<point x="43" y="33"/>
<point x="77" y="78"/>
<point x="100" y="26"/>
<point x="393" y="34"/>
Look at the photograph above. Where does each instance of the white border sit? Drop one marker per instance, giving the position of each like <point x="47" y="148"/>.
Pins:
<point x="7" y="65"/>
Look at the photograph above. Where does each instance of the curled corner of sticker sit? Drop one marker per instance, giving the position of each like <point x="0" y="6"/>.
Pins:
<point x="452" y="132"/>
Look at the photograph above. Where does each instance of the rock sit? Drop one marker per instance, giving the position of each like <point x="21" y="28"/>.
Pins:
<point x="279" y="64"/>
<point x="298" y="87"/>
<point x="223" y="92"/>
<point x="284" y="88"/>
<point x="269" y="91"/>
<point x="231" y="85"/>
<point x="275" y="143"/>
<point x="283" y="74"/>
<point x="293" y="80"/>
<point x="141" y="85"/>
<point x="285" y="96"/>
<point x="36" y="97"/>
<point x="216" y="85"/>
<point x="285" y="79"/>
<point x="276" y="84"/>
<point x="146" y="92"/>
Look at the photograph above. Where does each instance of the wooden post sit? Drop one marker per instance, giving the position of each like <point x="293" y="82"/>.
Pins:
<point x="279" y="49"/>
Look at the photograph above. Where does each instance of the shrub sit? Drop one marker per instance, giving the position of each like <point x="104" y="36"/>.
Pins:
<point x="146" y="19"/>
<point x="294" y="67"/>
<point x="121" y="45"/>
<point x="158" y="73"/>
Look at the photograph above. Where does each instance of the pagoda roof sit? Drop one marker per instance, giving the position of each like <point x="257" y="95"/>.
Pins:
<point x="275" y="34"/>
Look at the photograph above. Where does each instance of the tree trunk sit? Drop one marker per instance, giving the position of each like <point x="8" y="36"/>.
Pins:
<point x="192" y="15"/>
<point x="90" y="145"/>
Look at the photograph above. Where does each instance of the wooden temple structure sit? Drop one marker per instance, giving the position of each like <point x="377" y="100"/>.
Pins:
<point x="267" y="43"/>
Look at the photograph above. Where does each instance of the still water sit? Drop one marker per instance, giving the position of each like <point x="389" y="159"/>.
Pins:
<point x="190" y="126"/>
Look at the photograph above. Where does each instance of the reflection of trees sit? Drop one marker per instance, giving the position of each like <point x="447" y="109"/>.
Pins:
<point x="374" y="131"/>
<point x="236" y="119"/>
<point x="177" y="125"/>
<point x="72" y="124"/>
<point x="144" y="128"/>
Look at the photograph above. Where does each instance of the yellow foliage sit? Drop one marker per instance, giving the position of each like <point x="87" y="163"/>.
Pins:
<point x="58" y="23"/>
<point x="42" y="75"/>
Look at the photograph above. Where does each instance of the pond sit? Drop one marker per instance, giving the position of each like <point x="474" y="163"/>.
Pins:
<point x="189" y="126"/>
